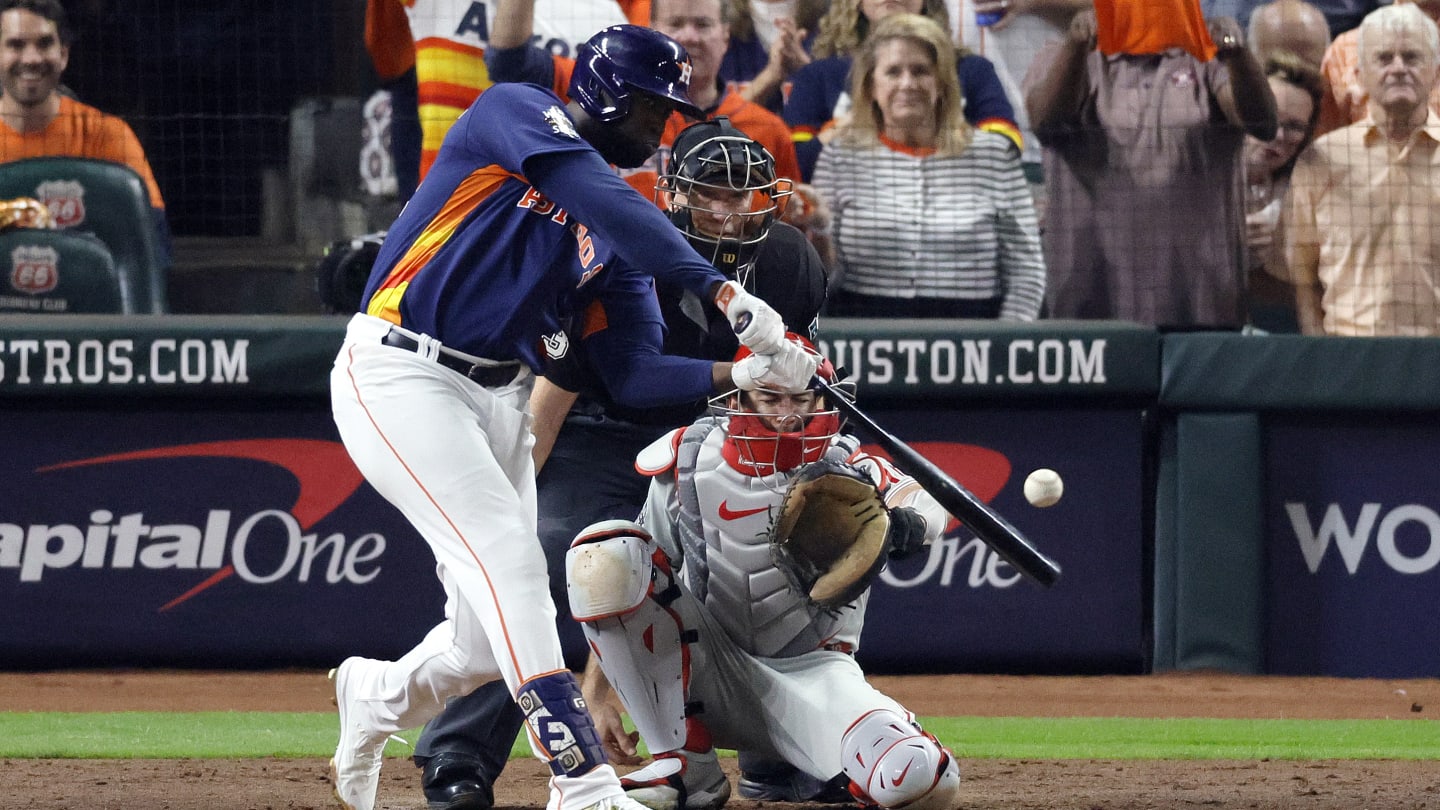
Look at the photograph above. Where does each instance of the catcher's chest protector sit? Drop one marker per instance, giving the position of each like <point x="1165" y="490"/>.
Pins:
<point x="723" y="522"/>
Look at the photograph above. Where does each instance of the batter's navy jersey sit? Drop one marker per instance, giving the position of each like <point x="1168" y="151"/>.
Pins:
<point x="607" y="366"/>
<point x="486" y="261"/>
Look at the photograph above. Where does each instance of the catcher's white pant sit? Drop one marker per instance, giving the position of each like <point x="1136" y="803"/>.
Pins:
<point x="662" y="655"/>
<point x="454" y="458"/>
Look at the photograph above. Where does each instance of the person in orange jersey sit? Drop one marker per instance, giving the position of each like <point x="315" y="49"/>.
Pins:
<point x="38" y="120"/>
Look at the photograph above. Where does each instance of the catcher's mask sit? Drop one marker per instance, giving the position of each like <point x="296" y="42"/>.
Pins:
<point x="721" y="191"/>
<point x="770" y="432"/>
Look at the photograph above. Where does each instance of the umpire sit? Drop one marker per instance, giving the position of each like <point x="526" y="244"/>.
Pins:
<point x="721" y="191"/>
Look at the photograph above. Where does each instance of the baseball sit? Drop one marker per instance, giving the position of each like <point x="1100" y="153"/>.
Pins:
<point x="1043" y="488"/>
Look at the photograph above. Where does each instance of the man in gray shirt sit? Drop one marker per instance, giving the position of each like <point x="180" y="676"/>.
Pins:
<point x="1142" y="167"/>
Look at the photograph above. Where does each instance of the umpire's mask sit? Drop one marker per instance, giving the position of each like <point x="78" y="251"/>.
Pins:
<point x="721" y="191"/>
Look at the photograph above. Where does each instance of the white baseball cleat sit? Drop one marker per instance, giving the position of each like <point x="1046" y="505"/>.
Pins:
<point x="355" y="768"/>
<point x="679" y="780"/>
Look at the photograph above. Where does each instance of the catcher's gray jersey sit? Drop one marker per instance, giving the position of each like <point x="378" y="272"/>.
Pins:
<point x="730" y="570"/>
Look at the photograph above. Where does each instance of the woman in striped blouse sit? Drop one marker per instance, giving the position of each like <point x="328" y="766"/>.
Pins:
<point x="931" y="218"/>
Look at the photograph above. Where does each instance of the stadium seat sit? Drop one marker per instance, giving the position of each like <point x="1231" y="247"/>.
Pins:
<point x="106" y="199"/>
<point x="59" y="272"/>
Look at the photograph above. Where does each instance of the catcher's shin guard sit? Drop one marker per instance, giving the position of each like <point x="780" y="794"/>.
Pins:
<point x="891" y="762"/>
<point x="558" y="719"/>
<point x="622" y="591"/>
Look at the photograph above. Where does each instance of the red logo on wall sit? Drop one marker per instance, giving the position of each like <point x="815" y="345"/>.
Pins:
<point x="34" y="269"/>
<point x="979" y="469"/>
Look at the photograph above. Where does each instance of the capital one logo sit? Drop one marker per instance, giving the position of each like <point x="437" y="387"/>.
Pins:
<point x="1389" y="530"/>
<point x="227" y="545"/>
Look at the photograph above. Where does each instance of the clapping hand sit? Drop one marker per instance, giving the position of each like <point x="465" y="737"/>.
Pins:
<point x="788" y="50"/>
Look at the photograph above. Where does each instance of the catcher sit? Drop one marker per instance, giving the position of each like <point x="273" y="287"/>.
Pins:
<point x="729" y="615"/>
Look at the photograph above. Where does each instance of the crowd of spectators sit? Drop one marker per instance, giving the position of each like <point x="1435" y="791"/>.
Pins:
<point x="1185" y="164"/>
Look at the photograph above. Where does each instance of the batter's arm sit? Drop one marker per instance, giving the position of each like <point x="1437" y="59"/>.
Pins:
<point x="624" y="345"/>
<point x="584" y="185"/>
<point x="548" y="405"/>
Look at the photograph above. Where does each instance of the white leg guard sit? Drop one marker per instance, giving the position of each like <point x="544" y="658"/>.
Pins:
<point x="894" y="763"/>
<point x="621" y="590"/>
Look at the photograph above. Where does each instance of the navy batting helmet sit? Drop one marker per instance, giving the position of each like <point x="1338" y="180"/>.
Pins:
<point x="727" y="179"/>
<point x="622" y="59"/>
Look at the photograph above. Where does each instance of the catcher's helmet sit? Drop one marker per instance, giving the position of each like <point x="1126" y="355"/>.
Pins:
<point x="721" y="174"/>
<point x="622" y="59"/>
<point x="763" y="444"/>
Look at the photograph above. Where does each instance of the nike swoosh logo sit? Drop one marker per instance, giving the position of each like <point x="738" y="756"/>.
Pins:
<point x="726" y="513"/>
<point x="901" y="777"/>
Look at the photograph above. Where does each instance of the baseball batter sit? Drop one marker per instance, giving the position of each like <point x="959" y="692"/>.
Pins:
<point x="708" y="643"/>
<point x="520" y="221"/>
<point x="608" y="370"/>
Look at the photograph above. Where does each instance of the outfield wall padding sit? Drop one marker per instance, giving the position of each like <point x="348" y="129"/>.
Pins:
<point x="176" y="495"/>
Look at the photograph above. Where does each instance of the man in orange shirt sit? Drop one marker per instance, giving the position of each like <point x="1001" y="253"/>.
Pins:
<point x="38" y="121"/>
<point x="702" y="27"/>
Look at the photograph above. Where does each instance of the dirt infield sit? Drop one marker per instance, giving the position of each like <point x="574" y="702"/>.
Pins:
<point x="989" y="784"/>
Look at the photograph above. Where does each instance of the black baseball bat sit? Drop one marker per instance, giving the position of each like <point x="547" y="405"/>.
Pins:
<point x="987" y="524"/>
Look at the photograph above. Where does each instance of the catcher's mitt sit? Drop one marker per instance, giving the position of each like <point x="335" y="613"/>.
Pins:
<point x="830" y="538"/>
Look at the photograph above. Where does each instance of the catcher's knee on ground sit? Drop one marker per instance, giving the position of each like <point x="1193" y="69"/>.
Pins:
<point x="893" y="763"/>
<point x="608" y="570"/>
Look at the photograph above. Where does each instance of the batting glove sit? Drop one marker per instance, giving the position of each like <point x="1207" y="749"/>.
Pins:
<point x="747" y="371"/>
<point x="756" y="324"/>
<point x="788" y="370"/>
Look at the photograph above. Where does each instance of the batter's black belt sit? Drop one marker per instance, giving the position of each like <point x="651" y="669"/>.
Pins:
<point x="496" y="375"/>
